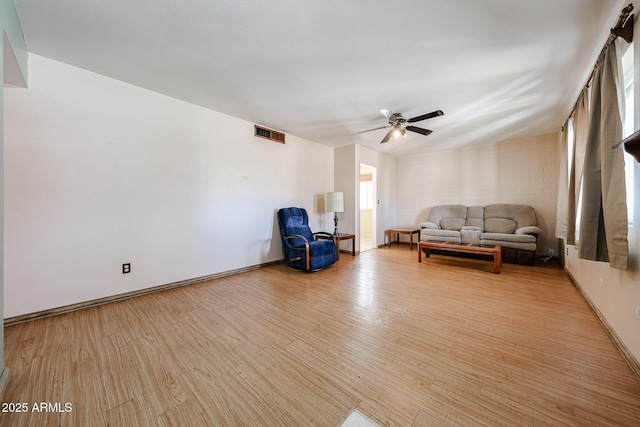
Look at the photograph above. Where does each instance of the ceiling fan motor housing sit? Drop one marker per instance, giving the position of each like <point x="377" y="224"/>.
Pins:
<point x="397" y="119"/>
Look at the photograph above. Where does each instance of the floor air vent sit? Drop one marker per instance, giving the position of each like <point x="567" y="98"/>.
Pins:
<point x="269" y="134"/>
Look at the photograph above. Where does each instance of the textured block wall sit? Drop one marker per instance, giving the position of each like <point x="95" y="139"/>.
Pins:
<point x="522" y="171"/>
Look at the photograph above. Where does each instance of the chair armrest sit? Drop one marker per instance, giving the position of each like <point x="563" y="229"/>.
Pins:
<point x="306" y="248"/>
<point x="297" y="236"/>
<point x="430" y="225"/>
<point x="530" y="229"/>
<point x="323" y="235"/>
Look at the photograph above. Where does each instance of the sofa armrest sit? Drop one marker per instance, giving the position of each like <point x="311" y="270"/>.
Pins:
<point x="530" y="229"/>
<point x="430" y="225"/>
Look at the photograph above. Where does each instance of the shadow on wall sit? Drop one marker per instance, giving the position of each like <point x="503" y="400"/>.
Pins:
<point x="543" y="242"/>
<point x="276" y="240"/>
<point x="423" y="215"/>
<point x="320" y="207"/>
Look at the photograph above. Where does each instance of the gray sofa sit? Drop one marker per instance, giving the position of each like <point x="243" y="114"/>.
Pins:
<point x="513" y="227"/>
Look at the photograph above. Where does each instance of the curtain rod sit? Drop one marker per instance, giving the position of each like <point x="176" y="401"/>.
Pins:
<point x="624" y="29"/>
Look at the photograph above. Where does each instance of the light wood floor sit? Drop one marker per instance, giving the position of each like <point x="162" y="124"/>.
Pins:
<point x="445" y="342"/>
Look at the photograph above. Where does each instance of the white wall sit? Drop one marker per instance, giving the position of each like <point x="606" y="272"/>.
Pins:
<point x="522" y="172"/>
<point x="99" y="173"/>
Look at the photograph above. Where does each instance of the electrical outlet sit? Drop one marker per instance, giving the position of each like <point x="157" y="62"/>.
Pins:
<point x="126" y="268"/>
<point x="552" y="252"/>
<point x="638" y="314"/>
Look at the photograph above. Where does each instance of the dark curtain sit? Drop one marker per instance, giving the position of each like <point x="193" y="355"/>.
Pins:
<point x="603" y="225"/>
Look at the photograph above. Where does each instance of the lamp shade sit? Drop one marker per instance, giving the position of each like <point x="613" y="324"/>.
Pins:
<point x="335" y="202"/>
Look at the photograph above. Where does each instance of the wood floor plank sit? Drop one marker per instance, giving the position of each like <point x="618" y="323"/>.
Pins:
<point x="134" y="412"/>
<point x="407" y="344"/>
<point x="82" y="387"/>
<point x="159" y="377"/>
<point x="120" y="373"/>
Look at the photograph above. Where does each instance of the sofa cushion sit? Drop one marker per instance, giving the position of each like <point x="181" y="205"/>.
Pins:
<point x="452" y="224"/>
<point x="523" y="215"/>
<point x="499" y="225"/>
<point x="448" y="235"/>
<point x="516" y="241"/>
<point x="470" y="234"/>
<point x="437" y="213"/>
<point x="475" y="216"/>
<point x="505" y="237"/>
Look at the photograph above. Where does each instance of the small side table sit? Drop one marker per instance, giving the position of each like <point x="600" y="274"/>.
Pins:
<point x="345" y="236"/>
<point x="337" y="238"/>
<point x="398" y="231"/>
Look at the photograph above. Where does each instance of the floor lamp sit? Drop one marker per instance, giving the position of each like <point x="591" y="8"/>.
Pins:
<point x="335" y="204"/>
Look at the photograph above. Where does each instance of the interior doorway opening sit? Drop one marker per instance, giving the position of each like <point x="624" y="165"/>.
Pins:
<point x="368" y="203"/>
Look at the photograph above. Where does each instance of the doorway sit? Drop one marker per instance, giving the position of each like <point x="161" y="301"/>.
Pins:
<point x="368" y="205"/>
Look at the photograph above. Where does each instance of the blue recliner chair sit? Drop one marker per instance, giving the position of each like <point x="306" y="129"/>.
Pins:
<point x="303" y="249"/>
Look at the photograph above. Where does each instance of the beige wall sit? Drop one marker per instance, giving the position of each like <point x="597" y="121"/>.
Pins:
<point x="365" y="223"/>
<point x="522" y="171"/>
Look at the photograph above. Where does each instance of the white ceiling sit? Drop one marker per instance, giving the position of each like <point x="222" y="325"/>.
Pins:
<point x="321" y="70"/>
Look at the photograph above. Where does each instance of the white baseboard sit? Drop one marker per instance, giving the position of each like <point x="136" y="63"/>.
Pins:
<point x="620" y="345"/>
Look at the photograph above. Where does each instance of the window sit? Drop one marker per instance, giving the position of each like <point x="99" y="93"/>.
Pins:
<point x="366" y="195"/>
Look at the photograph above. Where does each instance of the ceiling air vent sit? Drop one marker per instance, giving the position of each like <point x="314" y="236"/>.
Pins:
<point x="269" y="134"/>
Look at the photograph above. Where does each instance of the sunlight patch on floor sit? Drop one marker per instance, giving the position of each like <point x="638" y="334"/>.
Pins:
<point x="365" y="244"/>
<point x="356" y="419"/>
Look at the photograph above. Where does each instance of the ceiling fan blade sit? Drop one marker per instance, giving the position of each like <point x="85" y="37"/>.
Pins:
<point x="386" y="112"/>
<point x="369" y="130"/>
<point x="388" y="136"/>
<point x="425" y="116"/>
<point x="419" y="130"/>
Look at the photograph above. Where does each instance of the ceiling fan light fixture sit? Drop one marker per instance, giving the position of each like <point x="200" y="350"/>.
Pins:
<point x="399" y="127"/>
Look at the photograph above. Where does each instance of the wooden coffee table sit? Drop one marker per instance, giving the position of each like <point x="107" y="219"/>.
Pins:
<point x="469" y="248"/>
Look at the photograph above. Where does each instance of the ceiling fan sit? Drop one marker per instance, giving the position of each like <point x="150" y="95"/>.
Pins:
<point x="399" y="124"/>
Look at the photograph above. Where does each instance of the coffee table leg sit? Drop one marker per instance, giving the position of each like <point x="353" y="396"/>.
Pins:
<point x="497" y="260"/>
<point x="426" y="252"/>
